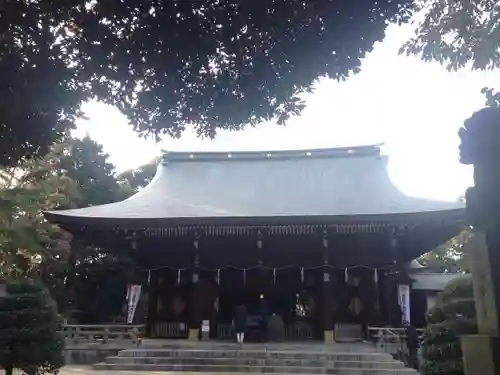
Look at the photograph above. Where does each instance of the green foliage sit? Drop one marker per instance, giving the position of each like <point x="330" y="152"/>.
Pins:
<point x="74" y="173"/>
<point x="165" y="64"/>
<point x="457" y="33"/>
<point x="453" y="315"/>
<point x="85" y="162"/>
<point x="28" y="329"/>
<point x="25" y="191"/>
<point x="450" y="256"/>
<point x="140" y="177"/>
<point x="88" y="283"/>
<point x="94" y="279"/>
<point x="99" y="286"/>
<point x="492" y="97"/>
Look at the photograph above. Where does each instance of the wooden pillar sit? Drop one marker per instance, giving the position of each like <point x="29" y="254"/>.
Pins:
<point x="388" y="286"/>
<point x="215" y="304"/>
<point x="327" y="295"/>
<point x="376" y="320"/>
<point x="260" y="284"/>
<point x="195" y="295"/>
<point x="392" y="277"/>
<point x="151" y="302"/>
<point x="328" y="327"/>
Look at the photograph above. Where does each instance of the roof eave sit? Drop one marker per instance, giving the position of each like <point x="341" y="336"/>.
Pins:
<point x="452" y="215"/>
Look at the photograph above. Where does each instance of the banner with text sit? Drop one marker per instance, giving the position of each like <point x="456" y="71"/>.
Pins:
<point x="133" y="296"/>
<point x="404" y="302"/>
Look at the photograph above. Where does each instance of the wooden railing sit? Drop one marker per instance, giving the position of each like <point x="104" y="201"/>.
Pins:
<point x="102" y="334"/>
<point x="389" y="339"/>
<point x="393" y="341"/>
<point x="293" y="332"/>
<point x="225" y="331"/>
<point x="388" y="334"/>
<point x="298" y="332"/>
<point x="169" y="330"/>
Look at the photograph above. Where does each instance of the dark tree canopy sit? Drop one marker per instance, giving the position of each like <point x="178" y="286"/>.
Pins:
<point x="38" y="93"/>
<point x="217" y="64"/>
<point x="458" y="33"/>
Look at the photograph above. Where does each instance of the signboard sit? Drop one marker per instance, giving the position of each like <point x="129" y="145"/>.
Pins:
<point x="404" y="302"/>
<point x="133" y="296"/>
<point x="205" y="326"/>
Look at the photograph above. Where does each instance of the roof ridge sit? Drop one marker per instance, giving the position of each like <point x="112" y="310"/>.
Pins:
<point x="337" y="152"/>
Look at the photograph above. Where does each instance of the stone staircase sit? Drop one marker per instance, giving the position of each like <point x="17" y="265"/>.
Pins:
<point x="341" y="359"/>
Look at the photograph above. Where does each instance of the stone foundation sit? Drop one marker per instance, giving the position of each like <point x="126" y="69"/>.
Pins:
<point x="481" y="354"/>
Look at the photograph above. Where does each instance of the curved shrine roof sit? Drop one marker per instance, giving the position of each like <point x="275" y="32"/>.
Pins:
<point x="333" y="182"/>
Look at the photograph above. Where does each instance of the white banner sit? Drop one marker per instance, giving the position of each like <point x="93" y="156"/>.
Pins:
<point x="404" y="302"/>
<point x="133" y="296"/>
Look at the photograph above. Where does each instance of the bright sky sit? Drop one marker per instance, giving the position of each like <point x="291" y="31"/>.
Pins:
<point x="414" y="108"/>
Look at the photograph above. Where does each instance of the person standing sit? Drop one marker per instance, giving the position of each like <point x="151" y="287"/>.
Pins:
<point x="412" y="344"/>
<point x="240" y="322"/>
<point x="264" y="318"/>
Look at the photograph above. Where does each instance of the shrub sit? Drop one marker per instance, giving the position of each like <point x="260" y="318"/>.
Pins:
<point x="29" y="338"/>
<point x="453" y="315"/>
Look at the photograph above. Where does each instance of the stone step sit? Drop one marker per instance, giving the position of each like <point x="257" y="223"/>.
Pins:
<point x="257" y="354"/>
<point x="211" y="345"/>
<point x="358" y="348"/>
<point x="252" y="369"/>
<point x="266" y="362"/>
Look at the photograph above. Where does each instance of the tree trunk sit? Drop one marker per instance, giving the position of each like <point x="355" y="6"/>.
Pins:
<point x="9" y="370"/>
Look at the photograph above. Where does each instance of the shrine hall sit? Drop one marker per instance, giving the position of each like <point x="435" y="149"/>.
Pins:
<point x="322" y="235"/>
